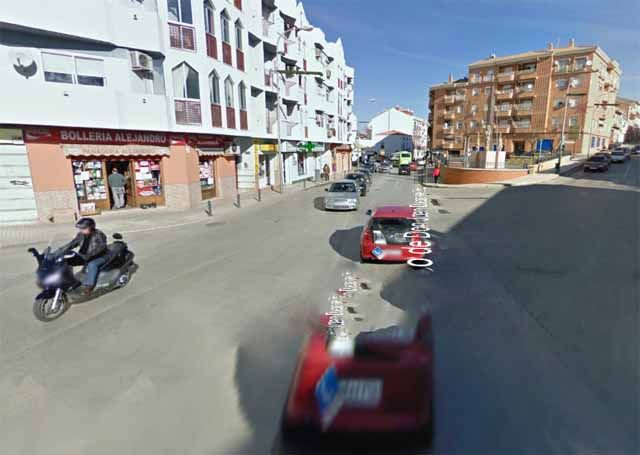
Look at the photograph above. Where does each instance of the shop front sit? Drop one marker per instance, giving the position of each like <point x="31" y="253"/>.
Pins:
<point x="265" y="155"/>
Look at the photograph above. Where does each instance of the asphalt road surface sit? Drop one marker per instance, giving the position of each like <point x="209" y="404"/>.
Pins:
<point x="534" y="298"/>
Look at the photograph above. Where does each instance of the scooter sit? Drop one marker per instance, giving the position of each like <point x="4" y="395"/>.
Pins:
<point x="61" y="287"/>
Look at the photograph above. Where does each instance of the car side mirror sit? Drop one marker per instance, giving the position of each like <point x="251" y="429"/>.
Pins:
<point x="369" y="212"/>
<point x="326" y="189"/>
<point x="117" y="236"/>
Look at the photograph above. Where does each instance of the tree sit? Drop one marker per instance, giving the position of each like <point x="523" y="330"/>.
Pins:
<point x="632" y="136"/>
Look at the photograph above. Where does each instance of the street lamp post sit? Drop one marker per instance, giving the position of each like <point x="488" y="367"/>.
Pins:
<point x="277" y="72"/>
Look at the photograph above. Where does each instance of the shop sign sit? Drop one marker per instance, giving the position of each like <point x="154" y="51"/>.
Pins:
<point x="310" y="147"/>
<point x="118" y="137"/>
<point x="265" y="147"/>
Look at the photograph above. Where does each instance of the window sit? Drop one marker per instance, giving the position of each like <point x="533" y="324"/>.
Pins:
<point x="228" y="92"/>
<point x="474" y="77"/>
<point x="487" y="91"/>
<point x="572" y="102"/>
<point x="558" y="104"/>
<point x="214" y="88"/>
<point x="555" y="122"/>
<point x="486" y="107"/>
<point x="68" y="69"/>
<point x="580" y="63"/>
<point x="238" y="35"/>
<point x="185" y="82"/>
<point x="475" y="92"/>
<point x="474" y="108"/>
<point x="242" y="96"/>
<point x="573" y="122"/>
<point x="58" y="68"/>
<point x="563" y="65"/>
<point x="561" y="84"/>
<point x="459" y="109"/>
<point x="180" y="11"/>
<point x="446" y="126"/>
<point x="593" y="142"/>
<point x="90" y="71"/>
<point x="473" y="124"/>
<point x="209" y="26"/>
<point x="459" y="125"/>
<point x="224" y="20"/>
<point x="576" y="81"/>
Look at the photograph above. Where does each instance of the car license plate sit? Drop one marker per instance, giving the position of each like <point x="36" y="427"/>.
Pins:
<point x="393" y="252"/>
<point x="377" y="252"/>
<point x="361" y="393"/>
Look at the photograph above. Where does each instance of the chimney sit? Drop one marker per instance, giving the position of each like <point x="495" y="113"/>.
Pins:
<point x="572" y="42"/>
<point x="550" y="46"/>
<point x="450" y="79"/>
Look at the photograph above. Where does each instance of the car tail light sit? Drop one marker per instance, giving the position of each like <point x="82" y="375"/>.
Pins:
<point x="378" y="238"/>
<point x="367" y="237"/>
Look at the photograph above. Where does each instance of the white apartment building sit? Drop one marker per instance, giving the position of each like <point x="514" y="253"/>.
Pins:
<point x="186" y="98"/>
<point x="397" y="129"/>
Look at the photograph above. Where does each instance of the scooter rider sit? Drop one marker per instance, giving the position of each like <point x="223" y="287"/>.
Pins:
<point x="92" y="249"/>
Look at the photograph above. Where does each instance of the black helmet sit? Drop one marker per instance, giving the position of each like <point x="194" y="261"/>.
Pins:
<point x="84" y="223"/>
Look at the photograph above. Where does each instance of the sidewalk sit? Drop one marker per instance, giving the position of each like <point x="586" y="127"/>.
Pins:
<point x="134" y="220"/>
<point x="531" y="179"/>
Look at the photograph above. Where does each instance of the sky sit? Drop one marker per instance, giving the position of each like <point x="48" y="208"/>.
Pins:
<point x="401" y="47"/>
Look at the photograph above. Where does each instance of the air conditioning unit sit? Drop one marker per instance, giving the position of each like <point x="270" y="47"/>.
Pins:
<point x="328" y="74"/>
<point x="140" y="61"/>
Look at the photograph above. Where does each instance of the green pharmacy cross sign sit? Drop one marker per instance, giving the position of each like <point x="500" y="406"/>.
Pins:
<point x="306" y="146"/>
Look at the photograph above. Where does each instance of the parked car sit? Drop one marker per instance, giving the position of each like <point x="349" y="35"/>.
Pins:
<point x="383" y="379"/>
<point x="598" y="162"/>
<point x="342" y="195"/>
<point x="620" y="155"/>
<point x="413" y="166"/>
<point x="383" y="239"/>
<point x="421" y="161"/>
<point x="366" y="173"/>
<point x="606" y="154"/>
<point x="360" y="180"/>
<point x="404" y="169"/>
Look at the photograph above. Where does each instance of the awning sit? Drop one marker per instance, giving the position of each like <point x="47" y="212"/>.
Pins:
<point x="343" y="149"/>
<point x="210" y="151"/>
<point x="94" y="150"/>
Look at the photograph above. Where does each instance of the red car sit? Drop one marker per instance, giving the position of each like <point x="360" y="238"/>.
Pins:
<point x="383" y="237"/>
<point x="385" y="384"/>
<point x="413" y="166"/>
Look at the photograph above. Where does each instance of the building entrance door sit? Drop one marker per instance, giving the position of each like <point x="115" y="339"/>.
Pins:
<point x="124" y="169"/>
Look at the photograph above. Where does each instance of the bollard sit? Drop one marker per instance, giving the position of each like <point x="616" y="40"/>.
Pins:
<point x="259" y="195"/>
<point x="209" y="208"/>
<point x="304" y="184"/>
<point x="238" y="199"/>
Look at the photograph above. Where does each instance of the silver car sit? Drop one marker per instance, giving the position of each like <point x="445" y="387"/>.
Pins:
<point x="342" y="195"/>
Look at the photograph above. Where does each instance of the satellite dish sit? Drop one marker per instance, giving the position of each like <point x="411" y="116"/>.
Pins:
<point x="23" y="62"/>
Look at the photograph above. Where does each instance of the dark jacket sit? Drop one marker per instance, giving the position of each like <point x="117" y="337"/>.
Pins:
<point x="91" y="246"/>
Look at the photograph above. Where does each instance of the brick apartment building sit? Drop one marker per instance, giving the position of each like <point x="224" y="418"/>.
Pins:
<point x="518" y="103"/>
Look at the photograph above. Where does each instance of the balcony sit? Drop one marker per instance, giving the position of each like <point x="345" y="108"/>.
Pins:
<point x="244" y="121"/>
<point x="503" y="129"/>
<point x="331" y="133"/>
<point x="212" y="45"/>
<point x="231" y="118"/>
<point x="286" y="128"/>
<point x="459" y="98"/>
<point x="182" y="37"/>
<point x="524" y="93"/>
<point x="503" y="112"/>
<point x="521" y="127"/>
<point x="188" y="112"/>
<point x="506" y="77"/>
<point x="504" y="95"/>
<point x="524" y="109"/>
<point x="267" y="78"/>
<point x="529" y="73"/>
<point x="449" y="99"/>
<point x="226" y="53"/>
<point x="216" y="115"/>
<point x="448" y="145"/>
<point x="449" y="115"/>
<point x="240" y="59"/>
<point x="487" y="78"/>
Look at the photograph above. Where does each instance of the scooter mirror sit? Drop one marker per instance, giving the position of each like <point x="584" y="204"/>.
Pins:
<point x="117" y="236"/>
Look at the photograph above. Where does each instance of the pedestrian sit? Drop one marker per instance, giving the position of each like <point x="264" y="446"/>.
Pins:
<point x="326" y="171"/>
<point x="116" y="183"/>
<point x="436" y="173"/>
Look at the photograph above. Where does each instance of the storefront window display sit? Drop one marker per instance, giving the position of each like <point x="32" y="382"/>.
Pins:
<point x="90" y="184"/>
<point x="207" y="178"/>
<point x="148" y="182"/>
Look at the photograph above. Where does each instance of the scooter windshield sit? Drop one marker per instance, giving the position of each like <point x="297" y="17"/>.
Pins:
<point x="55" y="245"/>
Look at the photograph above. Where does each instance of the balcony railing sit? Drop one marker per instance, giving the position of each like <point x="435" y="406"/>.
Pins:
<point x="244" y="121"/>
<point x="562" y="69"/>
<point x="529" y="73"/>
<point x="239" y="59"/>
<point x="504" y="94"/>
<point x="502" y="112"/>
<point x="521" y="125"/>
<point x="460" y="97"/>
<point x="182" y="36"/>
<point x="523" y="108"/>
<point x="216" y="115"/>
<point x="449" y="99"/>
<point x="212" y="45"/>
<point x="231" y="117"/>
<point x="487" y="78"/>
<point x="502" y="77"/>
<point x="525" y="91"/>
<point x="226" y="53"/>
<point x="504" y="129"/>
<point x="449" y="115"/>
<point x="188" y="112"/>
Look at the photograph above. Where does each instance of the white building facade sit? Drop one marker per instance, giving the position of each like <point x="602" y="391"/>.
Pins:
<point x="397" y="129"/>
<point x="188" y="99"/>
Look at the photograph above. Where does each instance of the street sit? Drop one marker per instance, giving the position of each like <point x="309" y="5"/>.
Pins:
<point x="534" y="297"/>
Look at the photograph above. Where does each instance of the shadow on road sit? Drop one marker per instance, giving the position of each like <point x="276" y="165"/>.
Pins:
<point x="318" y="203"/>
<point x="346" y="242"/>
